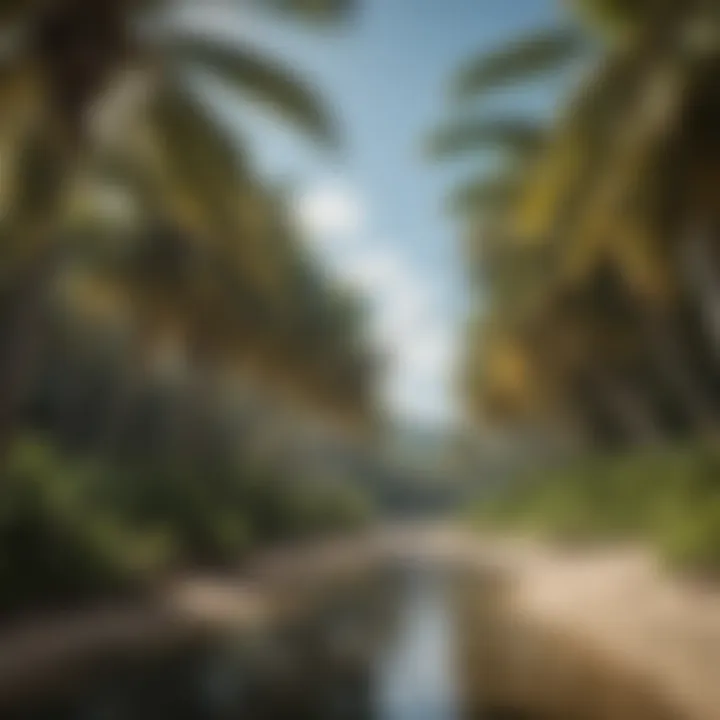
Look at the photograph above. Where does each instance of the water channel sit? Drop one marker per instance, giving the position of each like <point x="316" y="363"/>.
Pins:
<point x="394" y="645"/>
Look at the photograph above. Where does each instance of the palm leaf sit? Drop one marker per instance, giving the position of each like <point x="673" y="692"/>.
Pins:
<point x="574" y="163"/>
<point x="270" y="83"/>
<point x="524" y="59"/>
<point x="314" y="10"/>
<point x="483" y="194"/>
<point x="614" y="16"/>
<point x="519" y="136"/>
<point x="203" y="163"/>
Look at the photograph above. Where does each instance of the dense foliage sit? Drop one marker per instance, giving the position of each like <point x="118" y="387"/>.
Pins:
<point x="667" y="499"/>
<point x="174" y="365"/>
<point x="593" y="237"/>
<point x="594" y="241"/>
<point x="74" y="528"/>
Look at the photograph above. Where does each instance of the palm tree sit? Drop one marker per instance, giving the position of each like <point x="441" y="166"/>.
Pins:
<point x="72" y="56"/>
<point x="615" y="180"/>
<point x="63" y="62"/>
<point x="231" y="309"/>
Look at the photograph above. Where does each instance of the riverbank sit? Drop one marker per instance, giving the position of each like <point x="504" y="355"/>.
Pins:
<point x="615" y="604"/>
<point x="620" y="608"/>
<point x="617" y="607"/>
<point x="47" y="652"/>
<point x="665" y="498"/>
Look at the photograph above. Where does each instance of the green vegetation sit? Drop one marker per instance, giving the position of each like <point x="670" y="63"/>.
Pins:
<point x="73" y="529"/>
<point x="592" y="242"/>
<point x="166" y="339"/>
<point x="666" y="498"/>
<point x="592" y="248"/>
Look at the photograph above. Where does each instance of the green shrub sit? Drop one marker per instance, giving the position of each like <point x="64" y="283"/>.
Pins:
<point x="670" y="498"/>
<point x="72" y="529"/>
<point x="56" y="543"/>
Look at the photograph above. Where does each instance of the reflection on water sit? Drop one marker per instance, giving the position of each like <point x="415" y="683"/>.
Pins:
<point x="379" y="650"/>
<point x="409" y="642"/>
<point x="414" y="678"/>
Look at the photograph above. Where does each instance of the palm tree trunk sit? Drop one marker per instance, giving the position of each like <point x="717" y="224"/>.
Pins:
<point x="635" y="419"/>
<point x="31" y="227"/>
<point x="23" y="325"/>
<point x="186" y="429"/>
<point x="119" y="409"/>
<point x="128" y="389"/>
<point x="673" y="365"/>
<point x="699" y="266"/>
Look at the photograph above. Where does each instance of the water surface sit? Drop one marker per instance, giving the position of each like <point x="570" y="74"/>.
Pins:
<point x="414" y="678"/>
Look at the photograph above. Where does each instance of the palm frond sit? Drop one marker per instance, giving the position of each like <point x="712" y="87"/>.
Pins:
<point x="569" y="171"/>
<point x="201" y="160"/>
<point x="519" y="136"/>
<point x="483" y="194"/>
<point x="313" y="10"/>
<point x="270" y="83"/>
<point x="614" y="16"/>
<point x="522" y="60"/>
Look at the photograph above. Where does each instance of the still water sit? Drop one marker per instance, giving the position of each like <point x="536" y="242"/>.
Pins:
<point x="381" y="650"/>
<point x="414" y="677"/>
<point x="408" y="641"/>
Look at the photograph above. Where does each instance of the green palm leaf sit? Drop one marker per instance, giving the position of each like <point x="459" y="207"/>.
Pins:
<point x="268" y="82"/>
<point x="524" y="59"/>
<point x="615" y="15"/>
<point x="483" y="194"/>
<point x="519" y="136"/>
<point x="315" y="10"/>
<point x="203" y="161"/>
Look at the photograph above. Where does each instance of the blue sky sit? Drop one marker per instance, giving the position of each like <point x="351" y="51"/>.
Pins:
<point x="374" y="215"/>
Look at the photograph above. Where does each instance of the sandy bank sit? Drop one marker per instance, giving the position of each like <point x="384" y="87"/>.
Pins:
<point x="620" y="605"/>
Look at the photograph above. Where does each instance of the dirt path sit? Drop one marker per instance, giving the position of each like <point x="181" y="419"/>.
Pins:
<point x="626" y="607"/>
<point x="621" y="605"/>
